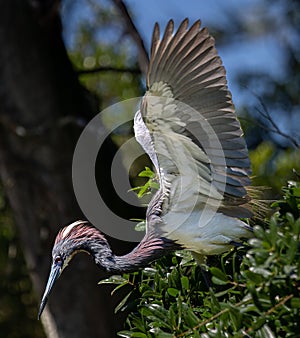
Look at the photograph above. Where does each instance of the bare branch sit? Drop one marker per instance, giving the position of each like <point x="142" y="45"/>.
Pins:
<point x="211" y="319"/>
<point x="135" y="35"/>
<point x="108" y="69"/>
<point x="274" y="127"/>
<point x="267" y="122"/>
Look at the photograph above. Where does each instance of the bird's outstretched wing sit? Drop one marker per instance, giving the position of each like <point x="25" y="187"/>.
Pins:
<point x="188" y="127"/>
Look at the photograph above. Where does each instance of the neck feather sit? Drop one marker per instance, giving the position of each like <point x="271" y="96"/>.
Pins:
<point x="148" y="250"/>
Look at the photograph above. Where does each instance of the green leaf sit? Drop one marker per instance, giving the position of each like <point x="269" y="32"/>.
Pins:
<point x="156" y="311"/>
<point x="218" y="281"/>
<point x="130" y="334"/>
<point x="119" y="287"/>
<point x="259" y="322"/>
<point x="172" y="315"/>
<point x="185" y="282"/>
<point x="149" y="271"/>
<point x="161" y="334"/>
<point x="126" y="334"/>
<point x="215" y="305"/>
<point x="219" y="274"/>
<point x="295" y="302"/>
<point x="123" y="302"/>
<point x="190" y="318"/>
<point x="252" y="276"/>
<point x="219" y="277"/>
<point x="147" y="173"/>
<point x="266" y="332"/>
<point x="143" y="190"/>
<point x="296" y="192"/>
<point x="290" y="217"/>
<point x="114" y="280"/>
<point x="172" y="292"/>
<point x="261" y="271"/>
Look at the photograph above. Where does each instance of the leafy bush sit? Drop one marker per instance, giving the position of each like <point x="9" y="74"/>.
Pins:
<point x="251" y="291"/>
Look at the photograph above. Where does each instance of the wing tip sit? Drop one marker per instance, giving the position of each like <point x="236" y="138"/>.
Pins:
<point x="155" y="38"/>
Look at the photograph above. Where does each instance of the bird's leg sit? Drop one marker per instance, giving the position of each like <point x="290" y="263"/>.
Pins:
<point x="201" y="261"/>
<point x="206" y="276"/>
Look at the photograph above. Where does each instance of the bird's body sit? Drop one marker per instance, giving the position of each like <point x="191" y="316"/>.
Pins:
<point x="188" y="127"/>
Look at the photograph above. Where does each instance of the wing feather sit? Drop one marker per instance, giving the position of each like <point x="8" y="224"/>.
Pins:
<point x="187" y="125"/>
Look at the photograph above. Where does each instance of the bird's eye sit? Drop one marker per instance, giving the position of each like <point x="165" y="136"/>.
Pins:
<point x="58" y="260"/>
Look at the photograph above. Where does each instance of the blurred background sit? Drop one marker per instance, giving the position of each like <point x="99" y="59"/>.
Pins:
<point x="64" y="61"/>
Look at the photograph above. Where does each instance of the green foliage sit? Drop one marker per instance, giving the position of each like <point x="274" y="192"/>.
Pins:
<point x="248" y="292"/>
<point x="149" y="185"/>
<point x="272" y="167"/>
<point x="110" y="87"/>
<point x="93" y="52"/>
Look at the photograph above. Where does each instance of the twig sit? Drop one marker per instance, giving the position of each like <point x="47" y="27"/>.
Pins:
<point x="258" y="124"/>
<point x="108" y="69"/>
<point x="132" y="30"/>
<point x="280" y="303"/>
<point x="274" y="127"/>
<point x="206" y="321"/>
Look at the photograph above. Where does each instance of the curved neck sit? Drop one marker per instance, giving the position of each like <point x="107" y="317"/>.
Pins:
<point x="148" y="250"/>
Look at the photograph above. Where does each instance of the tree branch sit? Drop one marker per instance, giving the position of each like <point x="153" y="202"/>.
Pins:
<point x="267" y="122"/>
<point x="108" y="69"/>
<point x="135" y="35"/>
<point x="264" y="112"/>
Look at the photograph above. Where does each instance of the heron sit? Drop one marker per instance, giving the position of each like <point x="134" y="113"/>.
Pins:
<point x="187" y="125"/>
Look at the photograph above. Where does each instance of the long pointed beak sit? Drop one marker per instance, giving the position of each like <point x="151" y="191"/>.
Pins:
<point x="54" y="274"/>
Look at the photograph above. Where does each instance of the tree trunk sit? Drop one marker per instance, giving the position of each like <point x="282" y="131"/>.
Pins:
<point x="38" y="89"/>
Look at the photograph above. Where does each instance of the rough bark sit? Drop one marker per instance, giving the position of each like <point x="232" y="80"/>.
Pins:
<point x="38" y="88"/>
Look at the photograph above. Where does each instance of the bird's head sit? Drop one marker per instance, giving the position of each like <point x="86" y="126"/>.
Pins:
<point x="79" y="236"/>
